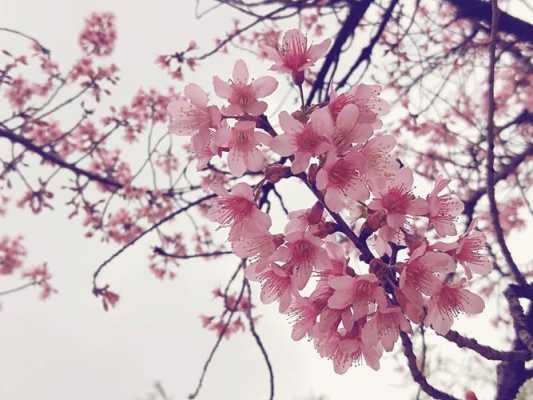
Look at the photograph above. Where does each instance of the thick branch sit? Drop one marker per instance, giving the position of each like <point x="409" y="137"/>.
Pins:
<point x="366" y="53"/>
<point x="54" y="159"/>
<point x="417" y="375"/>
<point x="357" y="11"/>
<point x="486" y="351"/>
<point x="481" y="11"/>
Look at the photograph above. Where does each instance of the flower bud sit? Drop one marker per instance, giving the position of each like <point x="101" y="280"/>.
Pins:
<point x="276" y="172"/>
<point x="315" y="215"/>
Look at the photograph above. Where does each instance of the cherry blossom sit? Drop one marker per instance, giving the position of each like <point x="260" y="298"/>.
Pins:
<point x="192" y="113"/>
<point x="242" y="141"/>
<point x="301" y="140"/>
<point x="242" y="95"/>
<point x="238" y="211"/>
<point x="341" y="180"/>
<point x="448" y="302"/>
<point x="293" y="55"/>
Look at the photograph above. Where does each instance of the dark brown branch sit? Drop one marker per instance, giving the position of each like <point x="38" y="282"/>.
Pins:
<point x="481" y="11"/>
<point x="161" y="252"/>
<point x="259" y="343"/>
<point x="144" y="233"/>
<point x="486" y="351"/>
<point x="504" y="173"/>
<point x="54" y="159"/>
<point x="357" y="11"/>
<point x="217" y="343"/>
<point x="417" y="375"/>
<point x="491" y="133"/>
<point x="366" y="53"/>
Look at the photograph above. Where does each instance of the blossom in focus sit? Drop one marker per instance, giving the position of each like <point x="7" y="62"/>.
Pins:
<point x="302" y="141"/>
<point x="243" y="96"/>
<point x="242" y="141"/>
<point x="293" y="55"/>
<point x="448" y="302"/>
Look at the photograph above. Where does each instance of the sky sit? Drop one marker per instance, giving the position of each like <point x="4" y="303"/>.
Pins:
<point x="68" y="347"/>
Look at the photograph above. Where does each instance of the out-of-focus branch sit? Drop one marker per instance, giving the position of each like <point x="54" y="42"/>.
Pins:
<point x="481" y="11"/>
<point x="161" y="252"/>
<point x="54" y="159"/>
<point x="144" y="233"/>
<point x="491" y="133"/>
<point x="504" y="173"/>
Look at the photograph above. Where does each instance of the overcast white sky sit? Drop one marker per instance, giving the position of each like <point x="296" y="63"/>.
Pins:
<point x="68" y="347"/>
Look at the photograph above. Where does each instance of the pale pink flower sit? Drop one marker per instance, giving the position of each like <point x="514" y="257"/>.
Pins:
<point x="380" y="167"/>
<point x="341" y="180"/>
<point x="203" y="148"/>
<point x="369" y="105"/>
<point x="242" y="95"/>
<point x="398" y="201"/>
<point x="242" y="141"/>
<point x="239" y="211"/>
<point x="448" y="302"/>
<point x="190" y="114"/>
<point x="384" y="327"/>
<point x="303" y="312"/>
<point x="348" y="130"/>
<point x="302" y="141"/>
<point x="469" y="251"/>
<point x="301" y="254"/>
<point x="443" y="210"/>
<point x="361" y="292"/>
<point x="300" y="220"/>
<point x="348" y="350"/>
<point x="419" y="274"/>
<point x="275" y="285"/>
<point x="293" y="54"/>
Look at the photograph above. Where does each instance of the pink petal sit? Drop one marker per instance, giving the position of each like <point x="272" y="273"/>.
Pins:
<point x="334" y="199"/>
<point x="283" y="145"/>
<point x="240" y="72"/>
<point x="257" y="108"/>
<point x="317" y="51"/>
<point x="222" y="89"/>
<point x="196" y="95"/>
<point x="264" y="86"/>
<point x="289" y="124"/>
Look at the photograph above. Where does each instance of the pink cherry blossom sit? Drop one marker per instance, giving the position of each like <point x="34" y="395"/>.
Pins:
<point x="238" y="211"/>
<point x="242" y="141"/>
<point x="293" y="54"/>
<point x="448" y="302"/>
<point x="190" y="114"/>
<point x="361" y="292"/>
<point x="369" y="105"/>
<point x="398" y="201"/>
<point x="341" y="180"/>
<point x="242" y="95"/>
<point x="419" y="274"/>
<point x="301" y="254"/>
<point x="275" y="285"/>
<point x="303" y="312"/>
<point x="302" y="141"/>
<point x="469" y="251"/>
<point x="443" y="210"/>
<point x="380" y="167"/>
<point x="384" y="327"/>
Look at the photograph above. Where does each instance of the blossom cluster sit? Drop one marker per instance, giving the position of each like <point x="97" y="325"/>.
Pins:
<point x="407" y="273"/>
